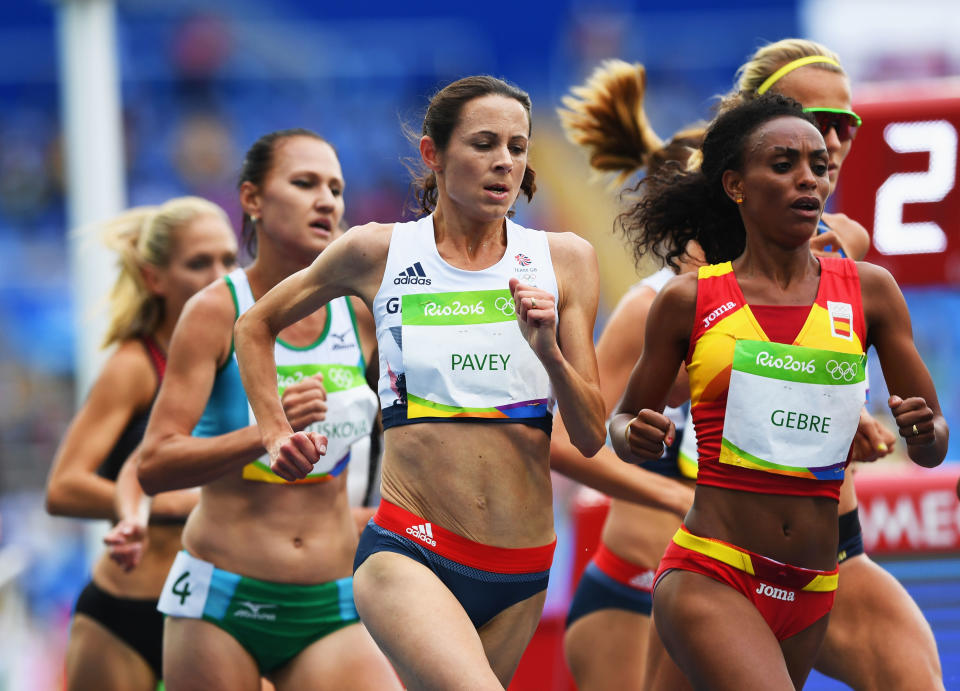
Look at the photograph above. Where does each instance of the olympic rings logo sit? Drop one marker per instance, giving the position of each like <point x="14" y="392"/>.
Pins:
<point x="341" y="377"/>
<point x="506" y="306"/>
<point x="842" y="370"/>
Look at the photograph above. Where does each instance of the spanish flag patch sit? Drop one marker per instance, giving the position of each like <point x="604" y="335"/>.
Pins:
<point x="841" y="319"/>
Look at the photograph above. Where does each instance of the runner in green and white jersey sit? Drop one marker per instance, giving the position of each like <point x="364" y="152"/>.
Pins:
<point x="264" y="585"/>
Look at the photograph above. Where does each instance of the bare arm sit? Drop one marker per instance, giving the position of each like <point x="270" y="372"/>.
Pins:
<point x="844" y="232"/>
<point x="562" y="338"/>
<point x="639" y="429"/>
<point x="124" y="388"/>
<point x="133" y="504"/>
<point x="913" y="399"/>
<point x="607" y="473"/>
<point x="171" y="457"/>
<point x="618" y="350"/>
<point x="351" y="265"/>
<point x="127" y="540"/>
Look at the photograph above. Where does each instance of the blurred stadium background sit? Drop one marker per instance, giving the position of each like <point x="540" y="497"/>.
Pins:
<point x="200" y="81"/>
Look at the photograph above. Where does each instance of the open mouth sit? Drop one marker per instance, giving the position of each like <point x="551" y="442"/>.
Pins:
<point x="497" y="188"/>
<point x="322" y="224"/>
<point x="806" y="204"/>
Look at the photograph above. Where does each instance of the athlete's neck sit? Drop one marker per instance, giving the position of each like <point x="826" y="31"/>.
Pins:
<point x="782" y="266"/>
<point x="473" y="240"/>
<point x="269" y="268"/>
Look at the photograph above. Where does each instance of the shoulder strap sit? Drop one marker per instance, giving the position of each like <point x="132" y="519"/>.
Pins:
<point x="157" y="357"/>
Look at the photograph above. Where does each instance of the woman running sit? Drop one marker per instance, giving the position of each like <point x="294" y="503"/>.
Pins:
<point x="606" y="117"/>
<point x="450" y="574"/>
<point x="877" y="637"/>
<point x="774" y="342"/>
<point x="167" y="253"/>
<point x="263" y="586"/>
<point x="609" y="618"/>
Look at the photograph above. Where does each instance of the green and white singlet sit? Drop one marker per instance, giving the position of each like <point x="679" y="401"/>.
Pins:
<point x="337" y="355"/>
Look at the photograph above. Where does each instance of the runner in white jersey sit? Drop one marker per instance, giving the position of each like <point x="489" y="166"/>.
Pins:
<point x="481" y="324"/>
<point x="263" y="586"/>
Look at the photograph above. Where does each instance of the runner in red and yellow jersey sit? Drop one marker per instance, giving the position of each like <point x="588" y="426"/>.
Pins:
<point x="774" y="342"/>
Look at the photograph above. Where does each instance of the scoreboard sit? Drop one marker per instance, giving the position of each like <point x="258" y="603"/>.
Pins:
<point x="900" y="179"/>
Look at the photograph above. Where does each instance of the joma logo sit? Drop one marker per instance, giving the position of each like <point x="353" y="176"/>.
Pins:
<point x="777" y="593"/>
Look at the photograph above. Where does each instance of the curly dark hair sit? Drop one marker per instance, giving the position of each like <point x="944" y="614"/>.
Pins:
<point x="677" y="204"/>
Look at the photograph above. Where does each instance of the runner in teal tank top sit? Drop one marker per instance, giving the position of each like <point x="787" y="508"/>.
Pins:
<point x="264" y="586"/>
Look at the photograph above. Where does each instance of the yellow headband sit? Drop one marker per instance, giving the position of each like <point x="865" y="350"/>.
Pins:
<point x="790" y="67"/>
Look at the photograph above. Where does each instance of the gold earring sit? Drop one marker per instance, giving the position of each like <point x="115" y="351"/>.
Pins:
<point x="739" y="198"/>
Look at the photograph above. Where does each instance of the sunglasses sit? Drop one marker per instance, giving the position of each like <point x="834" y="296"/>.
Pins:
<point x="845" y="122"/>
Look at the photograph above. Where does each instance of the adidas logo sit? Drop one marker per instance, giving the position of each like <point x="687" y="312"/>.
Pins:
<point x="643" y="581"/>
<point x="422" y="532"/>
<point x="412" y="275"/>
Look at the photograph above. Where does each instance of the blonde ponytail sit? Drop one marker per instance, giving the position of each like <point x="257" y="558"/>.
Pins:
<point x="145" y="236"/>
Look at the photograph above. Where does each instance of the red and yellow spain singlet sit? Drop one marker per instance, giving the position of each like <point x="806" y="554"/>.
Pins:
<point x="777" y="417"/>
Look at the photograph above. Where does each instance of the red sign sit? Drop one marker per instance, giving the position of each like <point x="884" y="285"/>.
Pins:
<point x="913" y="510"/>
<point x="900" y="179"/>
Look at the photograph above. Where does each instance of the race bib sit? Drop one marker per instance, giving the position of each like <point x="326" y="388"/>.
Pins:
<point x="186" y="588"/>
<point x="465" y="356"/>
<point x="351" y="409"/>
<point x="792" y="410"/>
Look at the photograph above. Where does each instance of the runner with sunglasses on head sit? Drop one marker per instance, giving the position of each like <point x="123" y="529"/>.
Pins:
<point x="606" y="117"/>
<point x="774" y="343"/>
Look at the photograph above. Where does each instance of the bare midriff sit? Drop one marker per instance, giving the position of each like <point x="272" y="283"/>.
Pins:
<point x="487" y="482"/>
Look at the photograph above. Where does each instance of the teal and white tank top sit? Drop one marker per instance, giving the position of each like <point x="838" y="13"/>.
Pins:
<point x="337" y="355"/>
<point x="450" y="345"/>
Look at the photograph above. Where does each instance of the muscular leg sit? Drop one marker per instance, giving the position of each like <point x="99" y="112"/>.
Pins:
<point x="426" y="633"/>
<point x="693" y="613"/>
<point x="661" y="672"/>
<point x="420" y="625"/>
<point x="877" y="637"/>
<point x="800" y="650"/>
<point x="506" y="636"/>
<point x="345" y="659"/>
<point x="606" y="649"/>
<point x="97" y="659"/>
<point x="198" y="656"/>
